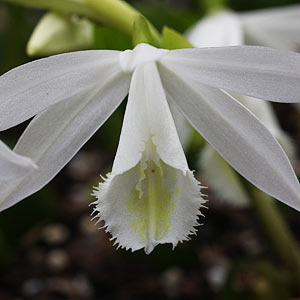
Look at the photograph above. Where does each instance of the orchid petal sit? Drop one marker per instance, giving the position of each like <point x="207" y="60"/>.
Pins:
<point x="12" y="165"/>
<point x="151" y="197"/>
<point x="254" y="71"/>
<point x="56" y="135"/>
<point x="237" y="135"/>
<point x="223" y="28"/>
<point x="159" y="122"/>
<point x="30" y="88"/>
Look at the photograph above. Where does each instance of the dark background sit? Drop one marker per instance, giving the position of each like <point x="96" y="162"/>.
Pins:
<point x="49" y="249"/>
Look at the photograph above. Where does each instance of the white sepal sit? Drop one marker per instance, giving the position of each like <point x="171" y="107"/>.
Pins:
<point x="55" y="135"/>
<point x="35" y="86"/>
<point x="237" y="135"/>
<point x="259" y="72"/>
<point x="223" y="180"/>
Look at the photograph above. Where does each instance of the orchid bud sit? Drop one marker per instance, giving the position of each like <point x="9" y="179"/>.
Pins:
<point x="57" y="33"/>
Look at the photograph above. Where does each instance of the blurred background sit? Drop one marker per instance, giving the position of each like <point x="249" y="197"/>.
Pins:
<point x="49" y="249"/>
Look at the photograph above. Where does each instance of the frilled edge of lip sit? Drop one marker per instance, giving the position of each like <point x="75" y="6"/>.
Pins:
<point x="186" y="212"/>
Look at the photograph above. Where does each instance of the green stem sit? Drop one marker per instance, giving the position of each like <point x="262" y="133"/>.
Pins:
<point x="278" y="233"/>
<point x="121" y="16"/>
<point x="67" y="6"/>
<point x="114" y="13"/>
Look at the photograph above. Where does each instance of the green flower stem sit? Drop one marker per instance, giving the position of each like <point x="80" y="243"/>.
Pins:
<point x="114" y="13"/>
<point x="66" y="6"/>
<point x="121" y="16"/>
<point x="278" y="233"/>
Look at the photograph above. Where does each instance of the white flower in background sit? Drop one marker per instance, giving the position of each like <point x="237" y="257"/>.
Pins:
<point x="222" y="179"/>
<point x="271" y="27"/>
<point x="277" y="27"/>
<point x="12" y="165"/>
<point x="151" y="196"/>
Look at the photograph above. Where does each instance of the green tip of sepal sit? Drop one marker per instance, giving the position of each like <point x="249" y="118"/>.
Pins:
<point x="172" y="39"/>
<point x="57" y="33"/>
<point x="142" y="32"/>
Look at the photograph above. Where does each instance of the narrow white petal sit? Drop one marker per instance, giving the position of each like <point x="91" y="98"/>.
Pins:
<point x="237" y="135"/>
<point x="222" y="179"/>
<point x="30" y="88"/>
<point x="12" y="165"/>
<point x="254" y="71"/>
<point x="151" y="197"/>
<point x="55" y="136"/>
<point x="278" y="28"/>
<point x="223" y="28"/>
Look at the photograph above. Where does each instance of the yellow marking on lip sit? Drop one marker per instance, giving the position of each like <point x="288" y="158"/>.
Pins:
<point x="177" y="191"/>
<point x="152" y="203"/>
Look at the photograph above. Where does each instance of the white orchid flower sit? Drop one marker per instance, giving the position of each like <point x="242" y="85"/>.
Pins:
<point x="12" y="165"/>
<point x="151" y="196"/>
<point x="278" y="28"/>
<point x="270" y="27"/>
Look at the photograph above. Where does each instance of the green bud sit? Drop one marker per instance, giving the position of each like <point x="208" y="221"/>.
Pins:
<point x="58" y="33"/>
